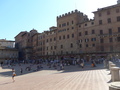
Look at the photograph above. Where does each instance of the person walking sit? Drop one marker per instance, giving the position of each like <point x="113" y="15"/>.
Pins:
<point x="13" y="74"/>
<point x="21" y="70"/>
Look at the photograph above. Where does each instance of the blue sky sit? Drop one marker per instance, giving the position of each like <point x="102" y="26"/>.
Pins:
<point x="24" y="15"/>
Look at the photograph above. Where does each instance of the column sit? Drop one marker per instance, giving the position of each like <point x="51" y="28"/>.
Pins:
<point x="114" y="86"/>
<point x="115" y="74"/>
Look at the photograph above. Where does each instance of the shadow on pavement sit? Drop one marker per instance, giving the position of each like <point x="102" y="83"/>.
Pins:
<point x="67" y="69"/>
<point x="6" y="83"/>
<point x="6" y="74"/>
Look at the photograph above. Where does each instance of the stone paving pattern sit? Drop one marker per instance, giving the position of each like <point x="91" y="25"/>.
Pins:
<point x="72" y="78"/>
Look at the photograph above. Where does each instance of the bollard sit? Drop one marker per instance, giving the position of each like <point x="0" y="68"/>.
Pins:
<point x="115" y="74"/>
<point x="105" y="64"/>
<point x="112" y="65"/>
<point x="114" y="86"/>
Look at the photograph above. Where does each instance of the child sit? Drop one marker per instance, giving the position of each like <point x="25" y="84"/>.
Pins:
<point x="14" y="74"/>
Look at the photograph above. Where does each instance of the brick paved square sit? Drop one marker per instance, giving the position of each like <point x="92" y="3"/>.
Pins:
<point x="72" y="78"/>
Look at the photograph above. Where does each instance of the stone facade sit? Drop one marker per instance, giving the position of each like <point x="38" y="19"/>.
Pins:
<point x="7" y="43"/>
<point x="7" y="50"/>
<point x="77" y="36"/>
<point x="24" y="43"/>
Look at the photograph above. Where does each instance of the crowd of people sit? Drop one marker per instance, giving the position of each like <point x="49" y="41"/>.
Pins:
<point x="36" y="65"/>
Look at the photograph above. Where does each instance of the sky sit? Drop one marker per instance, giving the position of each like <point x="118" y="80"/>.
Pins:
<point x="24" y="15"/>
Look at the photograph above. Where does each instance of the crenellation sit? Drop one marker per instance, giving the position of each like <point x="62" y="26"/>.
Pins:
<point x="76" y="10"/>
<point x="70" y="13"/>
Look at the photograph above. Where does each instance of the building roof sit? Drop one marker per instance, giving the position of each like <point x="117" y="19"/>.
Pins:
<point x="108" y="7"/>
<point x="20" y="33"/>
<point x="4" y="40"/>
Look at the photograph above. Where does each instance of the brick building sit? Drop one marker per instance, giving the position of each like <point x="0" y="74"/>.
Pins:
<point x="24" y="43"/>
<point x="76" y="36"/>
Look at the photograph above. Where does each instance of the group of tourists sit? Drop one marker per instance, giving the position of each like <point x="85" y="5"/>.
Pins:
<point x="36" y="65"/>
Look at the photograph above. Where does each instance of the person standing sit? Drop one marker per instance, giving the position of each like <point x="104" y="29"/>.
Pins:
<point x="13" y="74"/>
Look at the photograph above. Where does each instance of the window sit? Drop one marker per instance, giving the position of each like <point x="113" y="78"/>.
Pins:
<point x="118" y="18"/>
<point x="43" y="42"/>
<point x="102" y="40"/>
<point x="118" y="29"/>
<point x="93" y="31"/>
<point x="59" y="37"/>
<point x="67" y="23"/>
<point x="117" y="10"/>
<point x="86" y="32"/>
<point x="110" y="31"/>
<point x="59" y="25"/>
<point x="109" y="20"/>
<point x="80" y="45"/>
<point x="86" y="45"/>
<point x="86" y="40"/>
<point x="50" y="39"/>
<point x="108" y="12"/>
<point x="118" y="39"/>
<point x="67" y="36"/>
<point x="51" y="47"/>
<point x="93" y="39"/>
<point x="100" y="22"/>
<point x="101" y="31"/>
<point x="72" y="22"/>
<point x="92" y="23"/>
<point x="85" y="24"/>
<point x="93" y="45"/>
<point x="79" y="33"/>
<point x="110" y="40"/>
<point x="64" y="24"/>
<point x="47" y="40"/>
<point x="72" y="35"/>
<point x="71" y="45"/>
<point x="54" y="47"/>
<point x="72" y="27"/>
<point x="67" y="28"/>
<point x="64" y="37"/>
<point x="61" y="46"/>
<point x="99" y="14"/>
